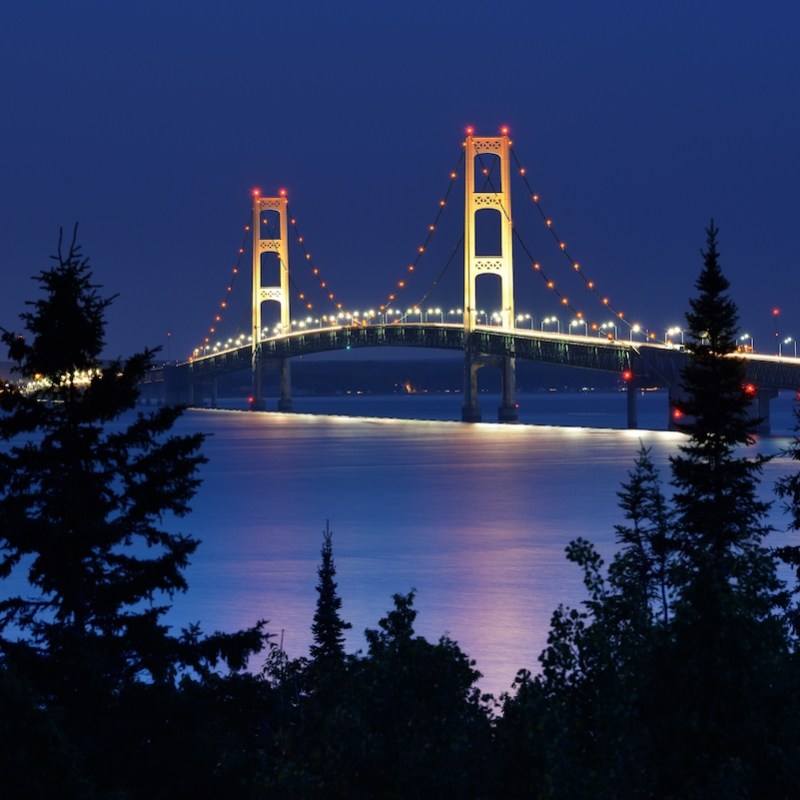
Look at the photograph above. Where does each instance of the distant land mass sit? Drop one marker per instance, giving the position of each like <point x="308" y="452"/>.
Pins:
<point x="339" y="376"/>
<point x="319" y="377"/>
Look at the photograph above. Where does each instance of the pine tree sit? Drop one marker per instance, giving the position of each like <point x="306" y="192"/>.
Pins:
<point x="720" y="520"/>
<point x="641" y="569"/>
<point x="721" y="678"/>
<point x="86" y="485"/>
<point x="328" y="627"/>
<point x="676" y="680"/>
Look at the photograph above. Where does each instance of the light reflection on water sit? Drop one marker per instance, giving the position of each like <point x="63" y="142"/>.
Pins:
<point x="474" y="517"/>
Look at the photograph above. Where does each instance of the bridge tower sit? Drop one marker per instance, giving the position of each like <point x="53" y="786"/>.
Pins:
<point x="261" y="294"/>
<point x="498" y="200"/>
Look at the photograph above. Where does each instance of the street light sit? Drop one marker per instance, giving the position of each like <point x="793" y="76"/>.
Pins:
<point x="576" y="322"/>
<point x="436" y="311"/>
<point x="636" y="328"/>
<point x="523" y="317"/>
<point x="606" y="328"/>
<point x="672" y="333"/>
<point x="552" y="321"/>
<point x="747" y="337"/>
<point x="788" y="340"/>
<point x="457" y="312"/>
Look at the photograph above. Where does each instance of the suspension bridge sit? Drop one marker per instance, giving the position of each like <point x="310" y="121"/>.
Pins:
<point x="497" y="342"/>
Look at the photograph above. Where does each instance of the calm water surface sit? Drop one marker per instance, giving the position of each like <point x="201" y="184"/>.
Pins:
<point x="474" y="517"/>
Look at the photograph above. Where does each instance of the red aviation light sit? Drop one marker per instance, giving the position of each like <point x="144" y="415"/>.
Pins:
<point x="627" y="375"/>
<point x="470" y="130"/>
<point x="256" y="192"/>
<point x="504" y="130"/>
<point x="677" y="413"/>
<point x="750" y="389"/>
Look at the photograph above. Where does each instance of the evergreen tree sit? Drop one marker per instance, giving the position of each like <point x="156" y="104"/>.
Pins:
<point x="720" y="522"/>
<point x="86" y="487"/>
<point x="721" y="679"/>
<point x="328" y="627"/>
<point x="676" y="680"/>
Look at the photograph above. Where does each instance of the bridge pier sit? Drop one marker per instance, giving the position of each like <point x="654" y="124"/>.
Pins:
<point x="257" y="402"/>
<point x="763" y="399"/>
<point x="508" y="411"/>
<point x="285" y="400"/>
<point x="470" y="410"/>
<point x="632" y="399"/>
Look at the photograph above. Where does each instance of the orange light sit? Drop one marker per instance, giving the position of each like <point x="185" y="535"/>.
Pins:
<point x="282" y="192"/>
<point x="256" y="192"/>
<point x="504" y="130"/>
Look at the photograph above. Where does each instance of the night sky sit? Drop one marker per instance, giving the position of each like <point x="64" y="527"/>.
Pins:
<point x="149" y="123"/>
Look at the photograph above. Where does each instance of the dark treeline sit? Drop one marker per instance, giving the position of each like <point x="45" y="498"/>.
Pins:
<point x="676" y="678"/>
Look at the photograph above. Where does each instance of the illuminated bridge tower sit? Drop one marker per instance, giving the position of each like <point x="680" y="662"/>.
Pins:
<point x="495" y="203"/>
<point x="280" y="246"/>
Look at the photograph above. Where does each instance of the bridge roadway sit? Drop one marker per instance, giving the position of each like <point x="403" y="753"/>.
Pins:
<point x="649" y="363"/>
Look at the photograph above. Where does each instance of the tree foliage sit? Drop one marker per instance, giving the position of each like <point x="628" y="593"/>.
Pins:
<point x="328" y="627"/>
<point x="676" y="679"/>
<point x="89" y="491"/>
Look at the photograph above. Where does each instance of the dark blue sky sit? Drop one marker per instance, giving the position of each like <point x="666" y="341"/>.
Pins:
<point x="150" y="122"/>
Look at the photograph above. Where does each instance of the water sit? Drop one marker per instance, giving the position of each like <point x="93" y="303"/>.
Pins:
<point x="474" y="517"/>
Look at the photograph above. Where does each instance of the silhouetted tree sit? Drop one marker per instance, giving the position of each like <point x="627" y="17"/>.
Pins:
<point x="328" y="627"/>
<point x="697" y="699"/>
<point x="86" y="486"/>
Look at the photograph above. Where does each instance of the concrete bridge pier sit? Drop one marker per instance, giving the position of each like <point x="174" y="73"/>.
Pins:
<point x="508" y="411"/>
<point x="214" y="392"/>
<point x="257" y="384"/>
<point x="632" y="398"/>
<point x="763" y="399"/>
<point x="470" y="410"/>
<point x="674" y="395"/>
<point x="285" y="400"/>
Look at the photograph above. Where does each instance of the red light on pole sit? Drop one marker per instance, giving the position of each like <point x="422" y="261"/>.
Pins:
<point x="470" y="130"/>
<point x="775" y="314"/>
<point x="627" y="375"/>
